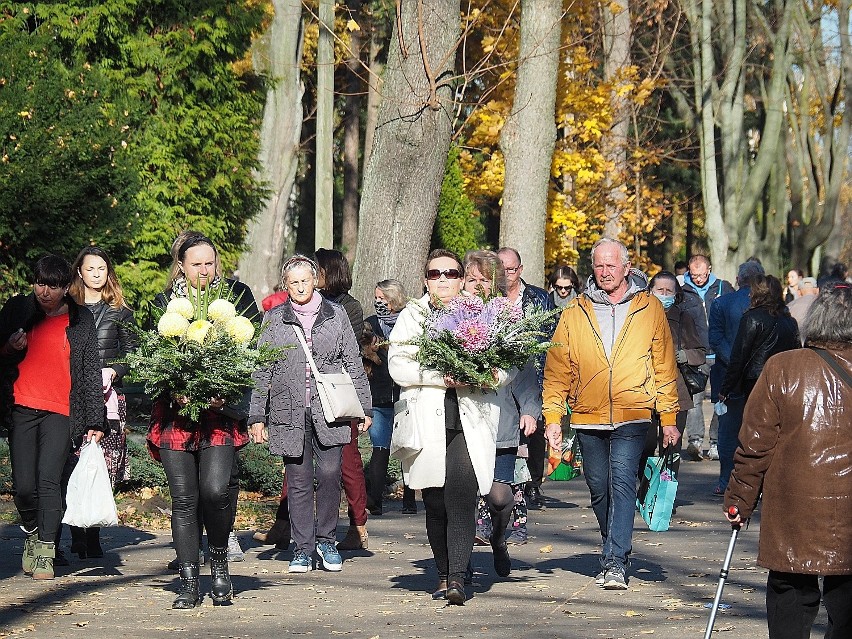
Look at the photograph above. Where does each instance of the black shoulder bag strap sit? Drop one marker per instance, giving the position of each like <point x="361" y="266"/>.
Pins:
<point x="832" y="361"/>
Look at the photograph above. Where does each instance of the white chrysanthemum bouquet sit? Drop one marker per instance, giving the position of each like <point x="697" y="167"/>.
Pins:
<point x="202" y="348"/>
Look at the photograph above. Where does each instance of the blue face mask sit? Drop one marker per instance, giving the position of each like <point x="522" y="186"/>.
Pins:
<point x="666" y="300"/>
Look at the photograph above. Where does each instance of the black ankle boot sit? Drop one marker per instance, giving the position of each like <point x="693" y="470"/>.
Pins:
<point x="222" y="590"/>
<point x="78" y="541"/>
<point x="93" y="543"/>
<point x="188" y="596"/>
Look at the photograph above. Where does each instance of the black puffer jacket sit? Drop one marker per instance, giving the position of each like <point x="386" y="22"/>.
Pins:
<point x="760" y="336"/>
<point x="86" y="399"/>
<point x="115" y="339"/>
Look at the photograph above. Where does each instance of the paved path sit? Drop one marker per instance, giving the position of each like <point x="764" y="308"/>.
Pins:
<point x="383" y="592"/>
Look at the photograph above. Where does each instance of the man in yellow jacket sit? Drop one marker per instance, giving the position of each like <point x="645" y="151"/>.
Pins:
<point x="614" y="365"/>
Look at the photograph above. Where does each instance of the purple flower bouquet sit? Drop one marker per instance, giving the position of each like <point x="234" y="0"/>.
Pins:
<point x="471" y="337"/>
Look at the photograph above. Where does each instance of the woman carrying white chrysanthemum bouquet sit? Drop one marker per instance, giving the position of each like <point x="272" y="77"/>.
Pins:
<point x="190" y="360"/>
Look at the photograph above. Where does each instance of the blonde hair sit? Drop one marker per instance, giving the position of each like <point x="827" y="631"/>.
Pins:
<point x="489" y="265"/>
<point x="394" y="293"/>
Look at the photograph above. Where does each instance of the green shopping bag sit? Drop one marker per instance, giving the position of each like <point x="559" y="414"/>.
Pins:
<point x="657" y="492"/>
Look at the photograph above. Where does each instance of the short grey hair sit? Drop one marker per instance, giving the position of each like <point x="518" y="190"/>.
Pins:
<point x="829" y="318"/>
<point x="295" y="262"/>
<point x="747" y="271"/>
<point x="394" y="293"/>
<point x="625" y="256"/>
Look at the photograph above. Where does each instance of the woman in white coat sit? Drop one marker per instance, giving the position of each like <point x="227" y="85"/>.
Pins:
<point x="458" y="429"/>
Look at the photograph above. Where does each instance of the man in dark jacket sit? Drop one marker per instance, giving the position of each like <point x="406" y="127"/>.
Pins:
<point x="724" y="321"/>
<point x="523" y="294"/>
<point x="700" y="288"/>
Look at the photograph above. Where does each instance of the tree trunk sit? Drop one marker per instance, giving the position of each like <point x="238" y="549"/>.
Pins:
<point x="617" y="36"/>
<point x="352" y="141"/>
<point x="529" y="136"/>
<point x="324" y="201"/>
<point x="402" y="182"/>
<point x="271" y="235"/>
<point x="374" y="93"/>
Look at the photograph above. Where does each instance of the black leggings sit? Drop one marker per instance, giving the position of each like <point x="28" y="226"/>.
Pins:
<point x="500" y="500"/>
<point x="39" y="443"/>
<point x="451" y="511"/>
<point x="198" y="480"/>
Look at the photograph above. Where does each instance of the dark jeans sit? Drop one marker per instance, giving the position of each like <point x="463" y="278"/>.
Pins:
<point x="610" y="466"/>
<point x="451" y="511"/>
<point x="729" y="438"/>
<point x="198" y="481"/>
<point x="39" y="443"/>
<point x="309" y="526"/>
<point x="792" y="604"/>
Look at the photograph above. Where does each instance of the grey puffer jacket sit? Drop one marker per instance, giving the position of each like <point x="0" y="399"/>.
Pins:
<point x="279" y="396"/>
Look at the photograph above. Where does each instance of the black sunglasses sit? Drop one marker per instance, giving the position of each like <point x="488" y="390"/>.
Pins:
<point x="563" y="288"/>
<point x="449" y="273"/>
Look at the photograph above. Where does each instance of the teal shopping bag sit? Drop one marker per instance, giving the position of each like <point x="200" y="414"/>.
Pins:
<point x="657" y="492"/>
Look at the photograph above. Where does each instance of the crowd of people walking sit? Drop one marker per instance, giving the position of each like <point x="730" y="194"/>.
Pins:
<point x="632" y="362"/>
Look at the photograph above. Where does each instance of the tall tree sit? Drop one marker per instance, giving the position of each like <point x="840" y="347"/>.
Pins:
<point x="402" y="182"/>
<point x="529" y="135"/>
<point x="324" y="158"/>
<point x="271" y="235"/>
<point x="352" y="135"/>
<point x="735" y="45"/>
<point x="617" y="33"/>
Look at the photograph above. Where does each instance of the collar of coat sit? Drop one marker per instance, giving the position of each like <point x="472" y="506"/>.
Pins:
<point x="288" y="315"/>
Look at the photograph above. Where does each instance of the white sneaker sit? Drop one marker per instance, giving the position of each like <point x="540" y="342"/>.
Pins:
<point x="713" y="453"/>
<point x="235" y="552"/>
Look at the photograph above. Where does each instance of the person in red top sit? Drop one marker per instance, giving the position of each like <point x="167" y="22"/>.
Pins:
<point x="279" y="296"/>
<point x="51" y="392"/>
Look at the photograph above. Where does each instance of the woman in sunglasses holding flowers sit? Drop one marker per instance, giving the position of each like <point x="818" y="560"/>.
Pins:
<point x="457" y="427"/>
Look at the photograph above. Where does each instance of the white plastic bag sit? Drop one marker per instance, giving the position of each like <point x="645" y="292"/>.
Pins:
<point x="90" y="500"/>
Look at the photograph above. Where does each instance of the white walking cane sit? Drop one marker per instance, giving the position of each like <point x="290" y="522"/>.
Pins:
<point x="733" y="511"/>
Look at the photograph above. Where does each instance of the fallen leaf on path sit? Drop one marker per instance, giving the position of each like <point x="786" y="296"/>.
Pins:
<point x="632" y="613"/>
<point x="546" y="549"/>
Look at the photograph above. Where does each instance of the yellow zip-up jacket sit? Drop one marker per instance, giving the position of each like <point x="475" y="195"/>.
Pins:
<point x="639" y="376"/>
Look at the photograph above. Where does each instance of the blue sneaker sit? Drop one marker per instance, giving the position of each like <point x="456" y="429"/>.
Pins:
<point x="331" y="559"/>
<point x="300" y="562"/>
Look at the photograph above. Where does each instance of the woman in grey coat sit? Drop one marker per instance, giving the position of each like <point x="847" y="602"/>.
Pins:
<point x="286" y="401"/>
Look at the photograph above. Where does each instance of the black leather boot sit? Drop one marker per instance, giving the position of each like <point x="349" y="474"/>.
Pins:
<point x="378" y="478"/>
<point x="222" y="590"/>
<point x="188" y="596"/>
<point x="93" y="543"/>
<point x="78" y="542"/>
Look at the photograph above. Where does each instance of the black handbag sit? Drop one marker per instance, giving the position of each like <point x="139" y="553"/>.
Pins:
<point x="693" y="376"/>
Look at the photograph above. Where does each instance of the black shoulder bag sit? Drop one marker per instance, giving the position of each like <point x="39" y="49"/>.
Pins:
<point x="696" y="380"/>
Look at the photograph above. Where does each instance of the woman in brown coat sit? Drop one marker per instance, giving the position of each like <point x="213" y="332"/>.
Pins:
<point x="796" y="446"/>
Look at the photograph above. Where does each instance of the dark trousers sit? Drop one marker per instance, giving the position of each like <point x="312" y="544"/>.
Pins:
<point x="792" y="604"/>
<point x="537" y="451"/>
<point x="451" y="511"/>
<point x="199" y="484"/>
<point x="321" y="464"/>
<point x="39" y="443"/>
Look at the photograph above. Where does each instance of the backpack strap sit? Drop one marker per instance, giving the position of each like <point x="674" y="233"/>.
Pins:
<point x="833" y="363"/>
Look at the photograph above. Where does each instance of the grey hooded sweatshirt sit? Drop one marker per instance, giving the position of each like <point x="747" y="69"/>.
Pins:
<point x="611" y="316"/>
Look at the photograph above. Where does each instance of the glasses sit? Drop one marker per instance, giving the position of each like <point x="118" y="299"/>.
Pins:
<point x="511" y="270"/>
<point x="449" y="273"/>
<point x="563" y="288"/>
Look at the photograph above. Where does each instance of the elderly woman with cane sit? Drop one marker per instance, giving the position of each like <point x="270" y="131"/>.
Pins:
<point x="796" y="448"/>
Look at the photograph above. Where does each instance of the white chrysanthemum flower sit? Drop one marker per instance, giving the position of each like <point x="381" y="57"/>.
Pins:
<point x="172" y="325"/>
<point x="198" y="331"/>
<point x="240" y="329"/>
<point x="182" y="307"/>
<point x="221" y="310"/>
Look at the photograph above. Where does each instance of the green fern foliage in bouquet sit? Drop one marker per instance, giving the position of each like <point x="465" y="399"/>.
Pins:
<point x="202" y="348"/>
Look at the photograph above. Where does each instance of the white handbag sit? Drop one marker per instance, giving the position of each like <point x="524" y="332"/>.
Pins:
<point x="405" y="441"/>
<point x="336" y="391"/>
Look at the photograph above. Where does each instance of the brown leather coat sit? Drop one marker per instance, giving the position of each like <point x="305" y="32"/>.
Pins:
<point x="796" y="444"/>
